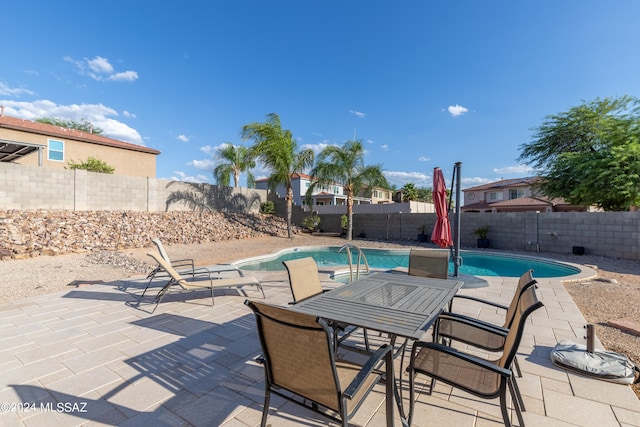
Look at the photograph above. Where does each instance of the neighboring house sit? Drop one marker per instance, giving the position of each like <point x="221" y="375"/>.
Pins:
<point x="38" y="144"/>
<point x="514" y="195"/>
<point x="381" y="196"/>
<point x="323" y="196"/>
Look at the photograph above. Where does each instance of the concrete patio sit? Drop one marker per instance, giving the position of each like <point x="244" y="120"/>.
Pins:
<point x="92" y="356"/>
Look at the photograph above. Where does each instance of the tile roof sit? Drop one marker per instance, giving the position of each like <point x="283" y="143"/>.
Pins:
<point x="29" y="126"/>
<point x="515" y="182"/>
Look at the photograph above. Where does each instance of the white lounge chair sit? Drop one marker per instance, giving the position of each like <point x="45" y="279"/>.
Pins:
<point x="200" y="278"/>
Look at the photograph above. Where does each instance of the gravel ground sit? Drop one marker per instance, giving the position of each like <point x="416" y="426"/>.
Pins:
<point x="613" y="295"/>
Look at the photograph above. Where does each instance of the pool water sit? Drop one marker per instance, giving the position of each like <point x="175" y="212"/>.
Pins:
<point x="473" y="263"/>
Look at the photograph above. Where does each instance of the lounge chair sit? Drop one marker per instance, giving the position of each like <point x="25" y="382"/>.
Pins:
<point x="483" y="378"/>
<point x="183" y="266"/>
<point x="301" y="366"/>
<point x="429" y="263"/>
<point x="304" y="280"/>
<point x="201" y="278"/>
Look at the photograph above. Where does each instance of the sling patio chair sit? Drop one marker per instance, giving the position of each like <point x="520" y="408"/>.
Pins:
<point x="183" y="266"/>
<point x="487" y="379"/>
<point x="304" y="280"/>
<point x="302" y="366"/>
<point x="199" y="280"/>
<point x="429" y="263"/>
<point x="478" y="333"/>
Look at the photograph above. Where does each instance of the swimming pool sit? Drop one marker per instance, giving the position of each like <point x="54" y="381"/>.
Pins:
<point x="474" y="263"/>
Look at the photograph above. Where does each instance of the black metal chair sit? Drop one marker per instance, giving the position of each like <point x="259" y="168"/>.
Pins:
<point x="478" y="333"/>
<point x="486" y="379"/>
<point x="301" y="366"/>
<point x="304" y="281"/>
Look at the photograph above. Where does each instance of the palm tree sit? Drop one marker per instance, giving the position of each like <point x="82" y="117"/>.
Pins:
<point x="278" y="151"/>
<point x="239" y="159"/>
<point x="346" y="165"/>
<point x="409" y="192"/>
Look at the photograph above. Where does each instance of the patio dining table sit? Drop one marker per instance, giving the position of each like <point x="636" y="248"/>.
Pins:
<point x="397" y="304"/>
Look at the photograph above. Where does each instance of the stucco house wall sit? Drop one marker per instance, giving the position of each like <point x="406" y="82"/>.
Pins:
<point x="127" y="159"/>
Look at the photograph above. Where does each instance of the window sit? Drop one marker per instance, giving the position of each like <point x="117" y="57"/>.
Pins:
<point x="516" y="193"/>
<point x="336" y="190"/>
<point x="56" y="150"/>
<point x="495" y="196"/>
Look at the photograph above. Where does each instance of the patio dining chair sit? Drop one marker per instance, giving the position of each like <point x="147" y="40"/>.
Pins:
<point x="479" y="333"/>
<point x="304" y="280"/>
<point x="301" y="366"/>
<point x="487" y="379"/>
<point x="201" y="278"/>
<point x="429" y="263"/>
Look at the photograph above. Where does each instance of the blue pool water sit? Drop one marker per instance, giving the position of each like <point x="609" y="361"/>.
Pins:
<point x="473" y="263"/>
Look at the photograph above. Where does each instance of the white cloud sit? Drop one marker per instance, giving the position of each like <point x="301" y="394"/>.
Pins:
<point x="16" y="92"/>
<point x="473" y="181"/>
<point x="514" y="170"/>
<point x="385" y="147"/>
<point x="457" y="110"/>
<point x="358" y="114"/>
<point x="97" y="114"/>
<point x="183" y="138"/>
<point x="317" y="148"/>
<point x="181" y="176"/>
<point x="207" y="164"/>
<point x="213" y="150"/>
<point x="99" y="65"/>
<point x="100" y="69"/>
<point x="128" y="114"/>
<point x="399" y="178"/>
<point x="423" y="159"/>
<point x="126" y="76"/>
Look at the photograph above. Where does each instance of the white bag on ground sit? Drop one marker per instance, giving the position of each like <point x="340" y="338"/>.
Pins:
<point x="605" y="365"/>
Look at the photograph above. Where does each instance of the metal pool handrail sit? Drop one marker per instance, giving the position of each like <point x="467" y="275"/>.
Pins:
<point x="361" y="258"/>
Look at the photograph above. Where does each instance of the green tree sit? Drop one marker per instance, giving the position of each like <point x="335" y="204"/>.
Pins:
<point x="83" y="125"/>
<point x="346" y="165"/>
<point x="278" y="151"/>
<point x="590" y="155"/>
<point x="425" y="195"/>
<point x="92" y="165"/>
<point x="409" y="192"/>
<point x="235" y="160"/>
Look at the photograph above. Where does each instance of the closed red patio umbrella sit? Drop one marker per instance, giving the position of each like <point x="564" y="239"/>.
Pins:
<point x="441" y="234"/>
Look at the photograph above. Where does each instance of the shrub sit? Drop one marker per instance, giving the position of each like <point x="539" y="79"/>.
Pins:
<point x="268" y="208"/>
<point x="311" y="222"/>
<point x="92" y="165"/>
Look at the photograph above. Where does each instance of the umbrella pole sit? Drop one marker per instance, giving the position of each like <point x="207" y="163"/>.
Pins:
<point x="456" y="253"/>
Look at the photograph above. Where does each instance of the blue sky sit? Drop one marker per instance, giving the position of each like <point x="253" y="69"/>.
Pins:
<point x="421" y="83"/>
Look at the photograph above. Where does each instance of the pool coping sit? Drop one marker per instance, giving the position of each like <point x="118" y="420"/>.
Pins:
<point x="584" y="272"/>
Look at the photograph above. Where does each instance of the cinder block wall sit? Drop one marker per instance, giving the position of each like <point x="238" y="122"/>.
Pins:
<point x="31" y="187"/>
<point x="611" y="234"/>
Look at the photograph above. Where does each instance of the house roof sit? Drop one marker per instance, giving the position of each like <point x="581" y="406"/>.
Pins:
<point x="29" y="126"/>
<point x="521" y="202"/>
<point x="516" y="182"/>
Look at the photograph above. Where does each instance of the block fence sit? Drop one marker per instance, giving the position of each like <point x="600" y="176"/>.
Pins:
<point x="611" y="234"/>
<point x="32" y="187"/>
